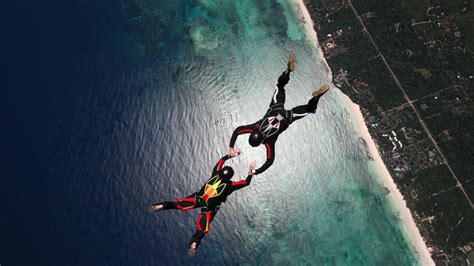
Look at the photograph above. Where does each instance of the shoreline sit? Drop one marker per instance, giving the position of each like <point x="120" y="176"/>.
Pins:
<point x="395" y="198"/>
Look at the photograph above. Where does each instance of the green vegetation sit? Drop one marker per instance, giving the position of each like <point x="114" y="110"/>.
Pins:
<point x="455" y="6"/>
<point x="451" y="124"/>
<point x="471" y="257"/>
<point x="416" y="8"/>
<point x="431" y="54"/>
<point x="466" y="26"/>
<point x="426" y="73"/>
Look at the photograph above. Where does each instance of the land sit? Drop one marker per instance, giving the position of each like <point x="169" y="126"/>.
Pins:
<point x="409" y="65"/>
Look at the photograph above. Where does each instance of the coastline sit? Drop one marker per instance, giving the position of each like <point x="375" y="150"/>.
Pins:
<point x="396" y="200"/>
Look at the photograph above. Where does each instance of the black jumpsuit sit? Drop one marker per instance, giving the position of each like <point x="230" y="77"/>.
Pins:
<point x="208" y="198"/>
<point x="276" y="120"/>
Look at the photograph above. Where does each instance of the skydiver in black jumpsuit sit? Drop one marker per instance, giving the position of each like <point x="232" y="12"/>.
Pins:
<point x="208" y="198"/>
<point x="277" y="119"/>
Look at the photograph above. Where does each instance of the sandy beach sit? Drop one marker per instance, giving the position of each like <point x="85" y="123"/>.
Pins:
<point x="396" y="200"/>
<point x="395" y="197"/>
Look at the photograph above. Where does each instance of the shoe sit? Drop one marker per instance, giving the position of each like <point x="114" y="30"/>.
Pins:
<point x="155" y="208"/>
<point x="321" y="90"/>
<point x="192" y="249"/>
<point x="292" y="62"/>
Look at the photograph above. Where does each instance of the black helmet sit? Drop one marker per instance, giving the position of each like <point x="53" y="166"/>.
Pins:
<point x="226" y="173"/>
<point x="255" y="139"/>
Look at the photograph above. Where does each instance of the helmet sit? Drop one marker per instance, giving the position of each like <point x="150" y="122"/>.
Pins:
<point x="226" y="173"/>
<point x="255" y="139"/>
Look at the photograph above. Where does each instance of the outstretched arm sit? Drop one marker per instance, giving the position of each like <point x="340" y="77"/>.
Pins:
<point x="219" y="164"/>
<point x="242" y="130"/>
<point x="243" y="183"/>
<point x="270" y="157"/>
<point x="239" y="131"/>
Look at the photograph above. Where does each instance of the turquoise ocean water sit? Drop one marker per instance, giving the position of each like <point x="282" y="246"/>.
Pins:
<point x="319" y="204"/>
<point x="120" y="104"/>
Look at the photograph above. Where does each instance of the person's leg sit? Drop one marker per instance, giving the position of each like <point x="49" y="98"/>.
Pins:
<point x="183" y="204"/>
<point x="202" y="223"/>
<point x="279" y="94"/>
<point x="298" y="112"/>
<point x="303" y="110"/>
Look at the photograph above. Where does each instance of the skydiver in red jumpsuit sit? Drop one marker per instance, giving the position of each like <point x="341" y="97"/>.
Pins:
<point x="208" y="198"/>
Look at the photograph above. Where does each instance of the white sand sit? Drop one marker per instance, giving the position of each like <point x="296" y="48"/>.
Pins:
<point x="395" y="197"/>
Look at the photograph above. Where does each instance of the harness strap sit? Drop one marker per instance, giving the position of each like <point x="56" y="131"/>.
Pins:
<point x="276" y="107"/>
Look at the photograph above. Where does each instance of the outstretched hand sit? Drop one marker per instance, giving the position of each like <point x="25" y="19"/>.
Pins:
<point x="251" y="167"/>
<point x="233" y="152"/>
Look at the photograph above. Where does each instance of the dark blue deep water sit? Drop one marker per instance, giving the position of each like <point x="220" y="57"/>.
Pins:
<point x="60" y="55"/>
<point x="110" y="106"/>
